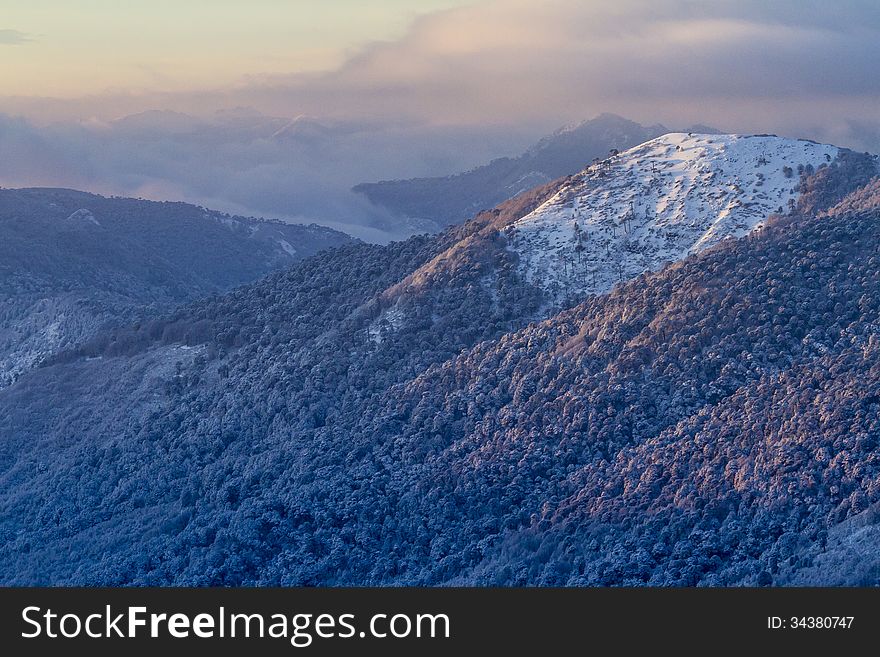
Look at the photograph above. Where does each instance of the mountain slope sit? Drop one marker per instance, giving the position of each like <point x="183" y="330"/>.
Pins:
<point x="656" y="203"/>
<point x="388" y="415"/>
<point x="452" y="199"/>
<point x="636" y="211"/>
<point x="71" y="262"/>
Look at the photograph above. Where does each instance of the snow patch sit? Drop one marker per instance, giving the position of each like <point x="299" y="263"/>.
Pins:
<point x="83" y="216"/>
<point x="229" y="222"/>
<point x="390" y="319"/>
<point x="288" y="248"/>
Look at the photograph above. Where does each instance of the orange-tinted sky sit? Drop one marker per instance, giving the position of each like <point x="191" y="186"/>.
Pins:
<point x="63" y="48"/>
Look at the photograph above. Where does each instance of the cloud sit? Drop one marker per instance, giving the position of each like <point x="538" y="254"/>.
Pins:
<point x="721" y="62"/>
<point x="14" y="38"/>
<point x="747" y="64"/>
<point x="244" y="162"/>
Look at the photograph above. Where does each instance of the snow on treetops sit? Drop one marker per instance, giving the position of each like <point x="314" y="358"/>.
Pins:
<point x="657" y="203"/>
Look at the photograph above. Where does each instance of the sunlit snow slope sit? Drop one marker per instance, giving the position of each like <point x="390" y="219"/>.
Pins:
<point x="656" y="203"/>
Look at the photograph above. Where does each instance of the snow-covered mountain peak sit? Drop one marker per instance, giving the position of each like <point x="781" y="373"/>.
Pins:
<point x="656" y="203"/>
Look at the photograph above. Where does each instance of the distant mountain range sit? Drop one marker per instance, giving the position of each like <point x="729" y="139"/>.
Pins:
<point x="474" y="407"/>
<point x="453" y="199"/>
<point x="71" y="263"/>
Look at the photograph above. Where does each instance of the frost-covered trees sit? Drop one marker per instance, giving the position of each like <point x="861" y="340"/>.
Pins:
<point x="390" y="415"/>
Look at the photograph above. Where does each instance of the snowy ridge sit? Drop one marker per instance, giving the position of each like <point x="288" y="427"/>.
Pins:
<point x="655" y="204"/>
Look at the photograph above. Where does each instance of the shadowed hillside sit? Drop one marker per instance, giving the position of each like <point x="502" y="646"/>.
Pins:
<point x="72" y="263"/>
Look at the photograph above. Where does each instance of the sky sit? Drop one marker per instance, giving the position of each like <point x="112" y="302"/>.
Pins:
<point x="69" y="49"/>
<point x="398" y="88"/>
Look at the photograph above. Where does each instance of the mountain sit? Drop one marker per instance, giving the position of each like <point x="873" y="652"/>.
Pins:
<point x="165" y="121"/>
<point x="71" y="263"/>
<point x="452" y="199"/>
<point x="635" y="212"/>
<point x="433" y="412"/>
<point x="713" y="424"/>
<point x="658" y="202"/>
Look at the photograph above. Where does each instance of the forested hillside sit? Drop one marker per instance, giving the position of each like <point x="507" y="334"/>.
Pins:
<point x="410" y="414"/>
<point x="72" y="263"/>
